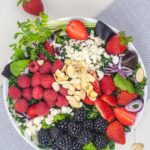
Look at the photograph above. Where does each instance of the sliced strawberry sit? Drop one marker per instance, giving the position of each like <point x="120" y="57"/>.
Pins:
<point x="31" y="111"/>
<point x="107" y="85"/>
<point x="104" y="110"/>
<point x="41" y="109"/>
<point x="88" y="101"/>
<point x="49" y="47"/>
<point x="76" y="30"/>
<point x="115" y="132"/>
<point x="125" y="117"/>
<point x="61" y="101"/>
<point x="125" y="97"/>
<point x="96" y="87"/>
<point x="118" y="43"/>
<point x="109" y="99"/>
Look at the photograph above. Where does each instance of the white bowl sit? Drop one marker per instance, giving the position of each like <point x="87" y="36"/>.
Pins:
<point x="131" y="47"/>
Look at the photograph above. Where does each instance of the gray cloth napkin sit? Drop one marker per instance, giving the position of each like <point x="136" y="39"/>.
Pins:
<point x="132" y="16"/>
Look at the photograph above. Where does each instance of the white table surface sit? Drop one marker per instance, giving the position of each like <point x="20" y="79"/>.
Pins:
<point x="10" y="14"/>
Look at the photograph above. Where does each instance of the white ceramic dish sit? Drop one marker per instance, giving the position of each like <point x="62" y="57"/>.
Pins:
<point x="131" y="47"/>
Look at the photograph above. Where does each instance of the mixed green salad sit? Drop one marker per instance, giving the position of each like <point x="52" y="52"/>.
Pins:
<point x="73" y="85"/>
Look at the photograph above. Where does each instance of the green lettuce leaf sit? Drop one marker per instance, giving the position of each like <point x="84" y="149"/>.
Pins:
<point x="123" y="84"/>
<point x="17" y="67"/>
<point x="89" y="146"/>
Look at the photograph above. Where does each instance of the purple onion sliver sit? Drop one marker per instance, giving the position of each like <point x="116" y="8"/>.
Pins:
<point x="135" y="106"/>
<point x="57" y="50"/>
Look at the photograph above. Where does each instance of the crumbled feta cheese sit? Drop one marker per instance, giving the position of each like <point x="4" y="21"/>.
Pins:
<point x="67" y="110"/>
<point x="38" y="120"/>
<point x="106" y="55"/>
<point x="115" y="59"/>
<point x="100" y="74"/>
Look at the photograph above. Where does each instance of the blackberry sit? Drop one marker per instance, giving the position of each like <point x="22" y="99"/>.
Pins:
<point x="76" y="146"/>
<point x="85" y="137"/>
<point x="63" y="142"/>
<point x="80" y="115"/>
<point x="44" y="137"/>
<point x="101" y="141"/>
<point x="100" y="125"/>
<point x="88" y="124"/>
<point x="63" y="125"/>
<point x="74" y="129"/>
<point x="55" y="133"/>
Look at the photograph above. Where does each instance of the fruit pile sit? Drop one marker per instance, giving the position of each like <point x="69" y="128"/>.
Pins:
<point x="78" y="69"/>
<point x="75" y="133"/>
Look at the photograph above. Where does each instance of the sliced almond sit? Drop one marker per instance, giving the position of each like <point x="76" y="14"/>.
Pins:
<point x="92" y="95"/>
<point x="64" y="68"/>
<point x="40" y="62"/>
<point x="90" y="77"/>
<point x="77" y="98"/>
<point x="140" y="75"/>
<point x="68" y="61"/>
<point x="56" y="86"/>
<point x="73" y="102"/>
<point x="137" y="146"/>
<point x="70" y="92"/>
<point x="66" y="84"/>
<point x="70" y="71"/>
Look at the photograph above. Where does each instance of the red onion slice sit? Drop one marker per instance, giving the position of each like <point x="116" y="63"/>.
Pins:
<point x="135" y="106"/>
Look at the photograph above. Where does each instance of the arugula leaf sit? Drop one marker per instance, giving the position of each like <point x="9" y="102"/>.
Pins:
<point x="22" y="128"/>
<point x="45" y="125"/>
<point x="93" y="113"/>
<point x="17" y="67"/>
<point x="89" y="146"/>
<point x="123" y="83"/>
<point x="139" y="87"/>
<point x="60" y="117"/>
<point x="127" y="129"/>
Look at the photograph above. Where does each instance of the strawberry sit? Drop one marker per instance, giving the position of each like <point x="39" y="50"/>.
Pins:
<point x="96" y="87"/>
<point x="14" y="92"/>
<point x="125" y="97"/>
<point x="63" y="91"/>
<point x="109" y="99"/>
<point x="37" y="93"/>
<point x="46" y="67"/>
<point x="125" y="117"/>
<point x="41" y="56"/>
<point x="23" y="81"/>
<point x="41" y="109"/>
<point x="115" y="132"/>
<point x="31" y="111"/>
<point x="27" y="93"/>
<point x="36" y="79"/>
<point x="47" y="81"/>
<point x="49" y="47"/>
<point x="107" y="85"/>
<point x="21" y="105"/>
<point x="50" y="95"/>
<point x="61" y="101"/>
<point x="76" y="30"/>
<point x="117" y="44"/>
<point x="34" y="66"/>
<point x="104" y="110"/>
<point x="33" y="7"/>
<point x="51" y="104"/>
<point x="88" y="101"/>
<point x="57" y="64"/>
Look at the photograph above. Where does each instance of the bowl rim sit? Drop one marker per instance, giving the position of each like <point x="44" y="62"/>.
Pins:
<point x="131" y="46"/>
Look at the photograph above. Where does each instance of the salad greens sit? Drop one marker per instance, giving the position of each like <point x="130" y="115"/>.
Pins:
<point x="17" y="67"/>
<point x="123" y="83"/>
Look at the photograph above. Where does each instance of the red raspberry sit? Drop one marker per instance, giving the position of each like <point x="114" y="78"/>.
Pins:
<point x="63" y="91"/>
<point x="34" y="66"/>
<point x="21" y="105"/>
<point x="24" y="81"/>
<point x="50" y="95"/>
<point x="46" y="67"/>
<point x="14" y="92"/>
<point x="36" y="79"/>
<point x="107" y="85"/>
<point x="58" y="64"/>
<point x="37" y="93"/>
<point x="47" y="81"/>
<point x="31" y="111"/>
<point x="27" y="93"/>
<point x="61" y="101"/>
<point x="49" y="47"/>
<point x="41" y="109"/>
<point x="51" y="104"/>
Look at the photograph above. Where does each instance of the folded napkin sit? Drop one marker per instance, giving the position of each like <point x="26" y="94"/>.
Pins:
<point x="132" y="16"/>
